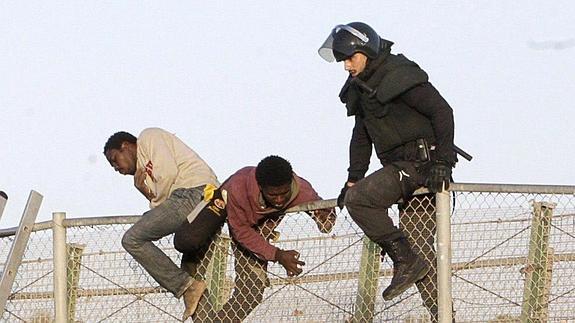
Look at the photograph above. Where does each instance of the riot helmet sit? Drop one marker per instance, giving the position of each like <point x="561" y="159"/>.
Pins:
<point x="346" y="40"/>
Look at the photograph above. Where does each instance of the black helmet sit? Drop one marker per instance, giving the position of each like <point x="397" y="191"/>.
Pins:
<point x="346" y="40"/>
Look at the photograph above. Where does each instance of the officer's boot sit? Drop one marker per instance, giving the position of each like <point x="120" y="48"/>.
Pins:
<point x="407" y="267"/>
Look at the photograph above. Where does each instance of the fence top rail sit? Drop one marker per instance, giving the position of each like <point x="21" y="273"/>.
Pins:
<point x="512" y="188"/>
<point x="129" y="219"/>
<point x="39" y="226"/>
<point x="322" y="204"/>
<point x="77" y="222"/>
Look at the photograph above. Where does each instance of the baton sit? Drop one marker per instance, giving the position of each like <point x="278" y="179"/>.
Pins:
<point x="462" y="153"/>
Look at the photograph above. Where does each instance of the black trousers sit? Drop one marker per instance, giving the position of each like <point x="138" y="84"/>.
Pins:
<point x="417" y="220"/>
<point x="193" y="237"/>
<point x="368" y="202"/>
<point x="369" y="199"/>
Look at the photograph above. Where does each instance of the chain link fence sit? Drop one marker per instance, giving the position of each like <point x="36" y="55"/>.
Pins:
<point x="513" y="259"/>
<point x="514" y="256"/>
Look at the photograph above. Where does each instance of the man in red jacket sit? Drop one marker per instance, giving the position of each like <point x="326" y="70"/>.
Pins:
<point x="257" y="198"/>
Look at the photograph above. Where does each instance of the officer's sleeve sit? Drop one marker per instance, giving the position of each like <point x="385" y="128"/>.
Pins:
<point x="426" y="99"/>
<point x="360" y="148"/>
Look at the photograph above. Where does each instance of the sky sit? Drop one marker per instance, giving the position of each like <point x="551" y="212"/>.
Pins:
<point x="238" y="81"/>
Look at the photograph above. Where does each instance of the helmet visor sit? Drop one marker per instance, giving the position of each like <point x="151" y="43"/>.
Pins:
<point x="327" y="51"/>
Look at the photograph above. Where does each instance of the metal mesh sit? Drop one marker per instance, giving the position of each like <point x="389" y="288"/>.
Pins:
<point x="512" y="255"/>
<point x="31" y="296"/>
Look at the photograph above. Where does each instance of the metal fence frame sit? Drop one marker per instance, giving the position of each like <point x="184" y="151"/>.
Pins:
<point x="22" y="234"/>
<point x="443" y="209"/>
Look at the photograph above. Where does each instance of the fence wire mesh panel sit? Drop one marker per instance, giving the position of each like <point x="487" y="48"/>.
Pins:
<point x="30" y="299"/>
<point x="342" y="279"/>
<point x="109" y="285"/>
<point x="513" y="258"/>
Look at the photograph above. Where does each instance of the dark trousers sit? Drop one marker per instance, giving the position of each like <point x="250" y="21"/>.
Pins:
<point x="193" y="238"/>
<point x="368" y="202"/>
<point x="369" y="199"/>
<point x="418" y="223"/>
<point x="248" y="289"/>
<point x="197" y="242"/>
<point x="249" y="286"/>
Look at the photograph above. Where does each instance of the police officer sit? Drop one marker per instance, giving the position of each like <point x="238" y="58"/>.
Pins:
<point x="404" y="117"/>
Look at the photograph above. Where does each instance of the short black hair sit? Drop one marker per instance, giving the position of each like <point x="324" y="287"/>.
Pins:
<point x="115" y="141"/>
<point x="4" y="195"/>
<point x="273" y="171"/>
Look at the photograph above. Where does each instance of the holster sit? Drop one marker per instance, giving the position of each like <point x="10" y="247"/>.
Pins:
<point x="422" y="150"/>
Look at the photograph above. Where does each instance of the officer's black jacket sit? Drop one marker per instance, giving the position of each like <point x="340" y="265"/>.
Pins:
<point x="403" y="108"/>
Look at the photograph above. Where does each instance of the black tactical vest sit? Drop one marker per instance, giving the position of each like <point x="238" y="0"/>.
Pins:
<point x="392" y="125"/>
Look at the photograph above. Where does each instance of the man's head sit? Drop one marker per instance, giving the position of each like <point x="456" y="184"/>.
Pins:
<point x="355" y="64"/>
<point x="120" y="151"/>
<point x="274" y="176"/>
<point x="354" y="44"/>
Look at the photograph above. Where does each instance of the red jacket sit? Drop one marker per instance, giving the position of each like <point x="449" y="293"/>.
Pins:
<point x="246" y="209"/>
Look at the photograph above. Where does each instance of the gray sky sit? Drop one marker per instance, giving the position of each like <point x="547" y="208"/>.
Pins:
<point x="240" y="82"/>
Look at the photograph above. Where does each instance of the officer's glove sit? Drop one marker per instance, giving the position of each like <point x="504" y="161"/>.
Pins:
<point x="341" y="197"/>
<point x="439" y="176"/>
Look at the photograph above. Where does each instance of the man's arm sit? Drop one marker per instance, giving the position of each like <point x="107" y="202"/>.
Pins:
<point x="360" y="148"/>
<point x="426" y="100"/>
<point x="159" y="164"/>
<point x="251" y="239"/>
<point x="244" y="232"/>
<point x="140" y="184"/>
<point x="324" y="218"/>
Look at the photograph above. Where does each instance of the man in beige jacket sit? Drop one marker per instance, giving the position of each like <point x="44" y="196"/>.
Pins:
<point x="172" y="177"/>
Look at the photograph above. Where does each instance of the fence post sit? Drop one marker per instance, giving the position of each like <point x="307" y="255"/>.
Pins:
<point x="368" y="281"/>
<point x="74" y="254"/>
<point x="59" y="247"/>
<point x="444" y="302"/>
<point x="537" y="271"/>
<point x="19" y="247"/>
<point x="548" y="283"/>
<point x="217" y="270"/>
